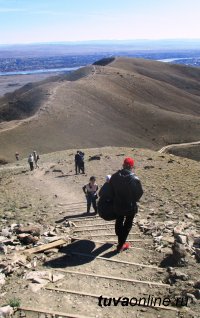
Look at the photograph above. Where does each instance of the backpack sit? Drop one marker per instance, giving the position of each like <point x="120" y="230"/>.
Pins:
<point x="105" y="209"/>
<point x="127" y="192"/>
<point x="105" y="205"/>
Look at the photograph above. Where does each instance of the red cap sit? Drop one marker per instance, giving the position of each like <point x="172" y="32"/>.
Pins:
<point x="129" y="162"/>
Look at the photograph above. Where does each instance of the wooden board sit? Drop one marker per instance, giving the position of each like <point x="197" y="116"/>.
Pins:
<point x="116" y="260"/>
<point x="131" y="280"/>
<point x="44" y="247"/>
<point x="110" y="242"/>
<point x="97" y="296"/>
<point x="53" y="313"/>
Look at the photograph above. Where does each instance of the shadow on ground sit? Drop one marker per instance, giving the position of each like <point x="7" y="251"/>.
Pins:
<point x="70" y="258"/>
<point x="73" y="216"/>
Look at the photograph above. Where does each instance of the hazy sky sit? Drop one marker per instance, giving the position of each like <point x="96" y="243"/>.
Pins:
<point x="23" y="21"/>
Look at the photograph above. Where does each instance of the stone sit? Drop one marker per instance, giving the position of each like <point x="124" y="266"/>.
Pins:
<point x="197" y="241"/>
<point x="6" y="233"/>
<point x="96" y="157"/>
<point x="191" y="298"/>
<point x="179" y="251"/>
<point x="23" y="207"/>
<point x="168" y="239"/>
<point x="197" y="285"/>
<point x="57" y="277"/>
<point x="197" y="293"/>
<point x="2" y="279"/>
<point x="69" y="224"/>
<point x="27" y="238"/>
<point x="189" y="216"/>
<point x="58" y="171"/>
<point x="34" y="230"/>
<point x="197" y="254"/>
<point x="148" y="167"/>
<point x="40" y="277"/>
<point x="6" y="311"/>
<point x="181" y="239"/>
<point x="181" y="276"/>
<point x="179" y="229"/>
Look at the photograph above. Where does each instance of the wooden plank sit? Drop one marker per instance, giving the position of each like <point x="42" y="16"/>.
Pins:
<point x="72" y="203"/>
<point x="69" y="291"/>
<point x="100" y="229"/>
<point x="45" y="247"/>
<point x="82" y="218"/>
<point x="108" y="234"/>
<point x="130" y="280"/>
<point x="117" y="261"/>
<point x="53" y="313"/>
<point x="110" y="242"/>
<point x="96" y="224"/>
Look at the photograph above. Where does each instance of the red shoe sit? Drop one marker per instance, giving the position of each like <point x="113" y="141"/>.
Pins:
<point x="124" y="247"/>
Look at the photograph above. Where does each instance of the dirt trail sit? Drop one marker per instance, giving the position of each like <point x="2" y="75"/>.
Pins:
<point x="52" y="186"/>
<point x="52" y="195"/>
<point x="166" y="148"/>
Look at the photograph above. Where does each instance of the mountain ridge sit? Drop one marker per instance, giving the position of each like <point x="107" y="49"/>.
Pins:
<point x="128" y="102"/>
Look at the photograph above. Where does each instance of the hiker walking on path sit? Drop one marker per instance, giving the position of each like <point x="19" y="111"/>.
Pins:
<point x="90" y="191"/>
<point x="36" y="158"/>
<point x="126" y="190"/>
<point x="30" y="161"/>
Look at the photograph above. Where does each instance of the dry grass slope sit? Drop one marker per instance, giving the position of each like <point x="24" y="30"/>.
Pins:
<point x="129" y="102"/>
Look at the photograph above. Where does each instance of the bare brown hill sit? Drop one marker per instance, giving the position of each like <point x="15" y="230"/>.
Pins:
<point x="129" y="102"/>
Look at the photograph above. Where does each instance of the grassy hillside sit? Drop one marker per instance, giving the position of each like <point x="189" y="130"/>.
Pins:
<point x="129" y="102"/>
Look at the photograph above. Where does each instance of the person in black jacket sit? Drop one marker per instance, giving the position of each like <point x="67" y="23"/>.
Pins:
<point x="79" y="162"/>
<point x="126" y="190"/>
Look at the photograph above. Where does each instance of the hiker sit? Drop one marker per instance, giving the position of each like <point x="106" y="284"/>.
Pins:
<point x="17" y="156"/>
<point x="105" y="187"/>
<point x="90" y="191"/>
<point x="30" y="161"/>
<point x="36" y="158"/>
<point x="126" y="190"/>
<point x="82" y="163"/>
<point x="79" y="162"/>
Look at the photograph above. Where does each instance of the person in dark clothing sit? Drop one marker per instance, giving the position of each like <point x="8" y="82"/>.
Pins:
<point x="90" y="191"/>
<point x="17" y="156"/>
<point x="77" y="162"/>
<point x="82" y="163"/>
<point x="126" y="190"/>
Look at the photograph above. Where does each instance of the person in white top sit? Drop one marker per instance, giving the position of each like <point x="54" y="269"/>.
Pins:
<point x="90" y="191"/>
<point x="36" y="158"/>
<point x="30" y="161"/>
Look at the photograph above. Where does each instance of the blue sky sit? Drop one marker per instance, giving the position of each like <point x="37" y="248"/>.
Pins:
<point x="27" y="21"/>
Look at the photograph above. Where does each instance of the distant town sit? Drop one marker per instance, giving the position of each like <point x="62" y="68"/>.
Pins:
<point x="17" y="60"/>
